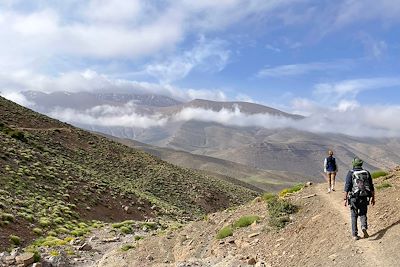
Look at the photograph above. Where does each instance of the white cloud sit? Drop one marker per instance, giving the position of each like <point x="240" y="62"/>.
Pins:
<point x="333" y="92"/>
<point x="17" y="98"/>
<point x="207" y="55"/>
<point x="110" y="116"/>
<point x="375" y="49"/>
<point x="347" y="118"/>
<point x="351" y="11"/>
<point x="301" y="69"/>
<point x="273" y="48"/>
<point x="91" y="81"/>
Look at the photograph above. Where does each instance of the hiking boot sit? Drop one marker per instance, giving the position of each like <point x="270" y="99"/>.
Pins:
<point x="366" y="235"/>
<point x="333" y="189"/>
<point x="356" y="237"/>
<point x="329" y="190"/>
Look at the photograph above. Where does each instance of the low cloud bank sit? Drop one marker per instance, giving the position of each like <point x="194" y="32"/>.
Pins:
<point x="109" y="116"/>
<point x="350" y="119"/>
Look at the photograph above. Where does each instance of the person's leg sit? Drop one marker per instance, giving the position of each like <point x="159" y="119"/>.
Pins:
<point x="363" y="217"/>
<point x="333" y="177"/>
<point x="354" y="215"/>
<point x="328" y="175"/>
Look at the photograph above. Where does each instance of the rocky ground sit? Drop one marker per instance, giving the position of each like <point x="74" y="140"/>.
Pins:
<point x="318" y="234"/>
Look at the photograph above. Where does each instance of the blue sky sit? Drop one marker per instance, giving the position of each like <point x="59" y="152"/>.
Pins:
<point x="297" y="55"/>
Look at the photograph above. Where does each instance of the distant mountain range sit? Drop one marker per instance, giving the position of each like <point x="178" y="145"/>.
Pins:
<point x="282" y="152"/>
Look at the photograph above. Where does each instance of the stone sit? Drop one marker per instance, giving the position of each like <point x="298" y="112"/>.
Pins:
<point x="254" y="235"/>
<point x="37" y="264"/>
<point x="9" y="260"/>
<point x="262" y="264"/>
<point x="109" y="240"/>
<point x="308" y="184"/>
<point x="333" y="257"/>
<point x="25" y="259"/>
<point x="252" y="261"/>
<point x="93" y="238"/>
<point x="15" y="252"/>
<point x="149" y="258"/>
<point x="85" y="247"/>
<point x="126" y="209"/>
<point x="257" y="199"/>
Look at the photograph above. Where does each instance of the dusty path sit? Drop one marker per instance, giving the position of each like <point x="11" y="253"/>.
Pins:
<point x="375" y="251"/>
<point x="43" y="129"/>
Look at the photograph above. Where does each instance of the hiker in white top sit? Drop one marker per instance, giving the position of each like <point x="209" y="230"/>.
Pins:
<point x="330" y="168"/>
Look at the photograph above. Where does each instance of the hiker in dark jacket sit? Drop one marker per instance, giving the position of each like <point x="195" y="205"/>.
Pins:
<point x="330" y="168"/>
<point x="358" y="193"/>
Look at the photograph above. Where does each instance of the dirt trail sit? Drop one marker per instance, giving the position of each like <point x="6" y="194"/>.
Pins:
<point x="43" y="129"/>
<point x="375" y="253"/>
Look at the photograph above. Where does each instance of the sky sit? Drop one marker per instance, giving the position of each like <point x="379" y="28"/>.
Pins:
<point x="310" y="57"/>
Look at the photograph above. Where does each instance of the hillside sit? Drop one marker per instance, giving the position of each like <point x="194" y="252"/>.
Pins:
<point x="256" y="179"/>
<point x="318" y="234"/>
<point x="56" y="179"/>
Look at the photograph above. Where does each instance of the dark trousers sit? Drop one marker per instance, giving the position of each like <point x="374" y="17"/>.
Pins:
<point x="358" y="208"/>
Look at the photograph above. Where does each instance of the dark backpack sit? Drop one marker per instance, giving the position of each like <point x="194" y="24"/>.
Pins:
<point x="330" y="164"/>
<point x="361" y="184"/>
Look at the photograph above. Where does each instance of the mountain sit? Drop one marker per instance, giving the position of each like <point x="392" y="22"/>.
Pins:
<point x="59" y="180"/>
<point x="245" y="107"/>
<point x="87" y="100"/>
<point x="273" y="150"/>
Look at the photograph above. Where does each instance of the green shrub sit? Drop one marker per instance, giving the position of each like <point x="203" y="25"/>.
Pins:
<point x="51" y="241"/>
<point x="51" y="233"/>
<point x="127" y="247"/>
<point x="126" y="230"/>
<point x="16" y="240"/>
<point x="268" y="196"/>
<point x="7" y="217"/>
<point x="37" y="231"/>
<point x="44" y="222"/>
<point x="245" y="221"/>
<point x="62" y="230"/>
<point x="279" y="209"/>
<point x="54" y="253"/>
<point x="383" y="185"/>
<point x="59" y="220"/>
<point x="225" y="232"/>
<point x="377" y="174"/>
<point x="138" y="237"/>
<point x="290" y="190"/>
<point x="18" y="135"/>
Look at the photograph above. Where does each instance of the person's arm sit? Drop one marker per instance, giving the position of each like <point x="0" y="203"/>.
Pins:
<point x="347" y="187"/>
<point x="325" y="162"/>
<point x="336" y="166"/>
<point x="371" y="182"/>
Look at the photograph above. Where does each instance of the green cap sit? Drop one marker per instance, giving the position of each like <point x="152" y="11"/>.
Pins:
<point x="357" y="162"/>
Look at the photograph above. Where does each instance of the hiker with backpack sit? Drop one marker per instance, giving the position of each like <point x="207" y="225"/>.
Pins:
<point x="330" y="168"/>
<point x="358" y="193"/>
